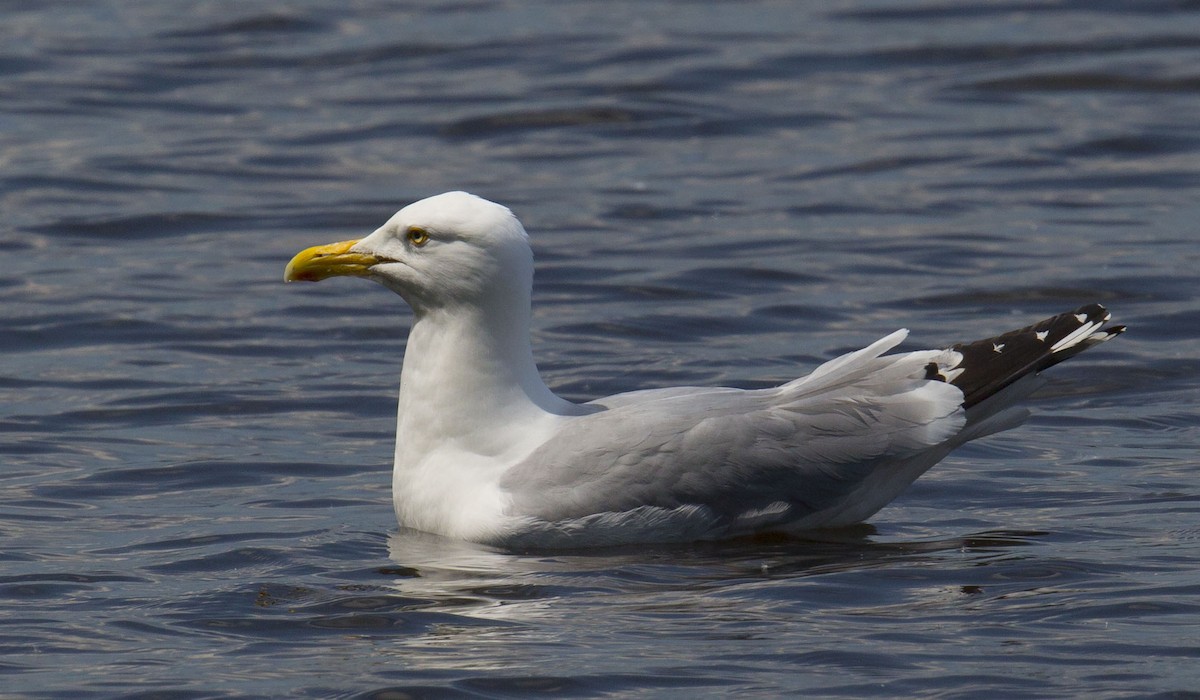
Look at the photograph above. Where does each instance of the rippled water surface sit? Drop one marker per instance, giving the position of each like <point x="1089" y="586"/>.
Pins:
<point x="194" y="495"/>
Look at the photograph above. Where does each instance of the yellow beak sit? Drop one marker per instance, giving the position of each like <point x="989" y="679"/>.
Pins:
<point x="316" y="263"/>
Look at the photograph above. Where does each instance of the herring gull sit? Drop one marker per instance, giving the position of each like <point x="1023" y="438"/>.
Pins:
<point x="486" y="452"/>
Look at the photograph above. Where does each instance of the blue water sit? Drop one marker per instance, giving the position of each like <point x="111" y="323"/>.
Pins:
<point x="194" y="493"/>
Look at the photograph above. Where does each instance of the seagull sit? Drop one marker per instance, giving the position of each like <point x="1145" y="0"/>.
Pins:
<point x="486" y="452"/>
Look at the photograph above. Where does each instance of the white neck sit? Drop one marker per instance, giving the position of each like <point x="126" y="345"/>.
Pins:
<point x="469" y="379"/>
<point x="471" y="405"/>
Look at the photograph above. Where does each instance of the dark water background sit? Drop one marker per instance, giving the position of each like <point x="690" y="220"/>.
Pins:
<point x="194" y="492"/>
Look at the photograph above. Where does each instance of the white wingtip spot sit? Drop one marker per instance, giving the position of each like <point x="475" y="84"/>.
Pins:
<point x="1075" y="337"/>
<point x="1082" y="318"/>
<point x="949" y="375"/>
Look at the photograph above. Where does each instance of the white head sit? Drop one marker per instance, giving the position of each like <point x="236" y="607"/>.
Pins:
<point x="444" y="252"/>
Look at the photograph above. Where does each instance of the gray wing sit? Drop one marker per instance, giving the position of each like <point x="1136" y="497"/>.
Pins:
<point x="801" y="448"/>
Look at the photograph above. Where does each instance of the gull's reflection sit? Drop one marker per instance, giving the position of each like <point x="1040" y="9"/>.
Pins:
<point x="464" y="574"/>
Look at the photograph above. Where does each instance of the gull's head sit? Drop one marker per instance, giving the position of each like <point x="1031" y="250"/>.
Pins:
<point x="453" y="249"/>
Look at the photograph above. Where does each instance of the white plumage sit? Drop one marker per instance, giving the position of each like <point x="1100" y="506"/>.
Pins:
<point x="486" y="452"/>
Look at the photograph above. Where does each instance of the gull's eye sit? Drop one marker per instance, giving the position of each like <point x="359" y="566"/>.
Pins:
<point x="417" y="236"/>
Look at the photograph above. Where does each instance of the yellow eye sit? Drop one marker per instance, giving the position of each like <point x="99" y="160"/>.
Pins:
<point x="418" y="236"/>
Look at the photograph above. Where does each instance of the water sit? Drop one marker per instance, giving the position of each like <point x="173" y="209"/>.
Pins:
<point x="194" y="495"/>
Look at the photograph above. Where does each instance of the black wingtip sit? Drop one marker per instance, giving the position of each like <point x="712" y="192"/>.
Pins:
<point x="991" y="364"/>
